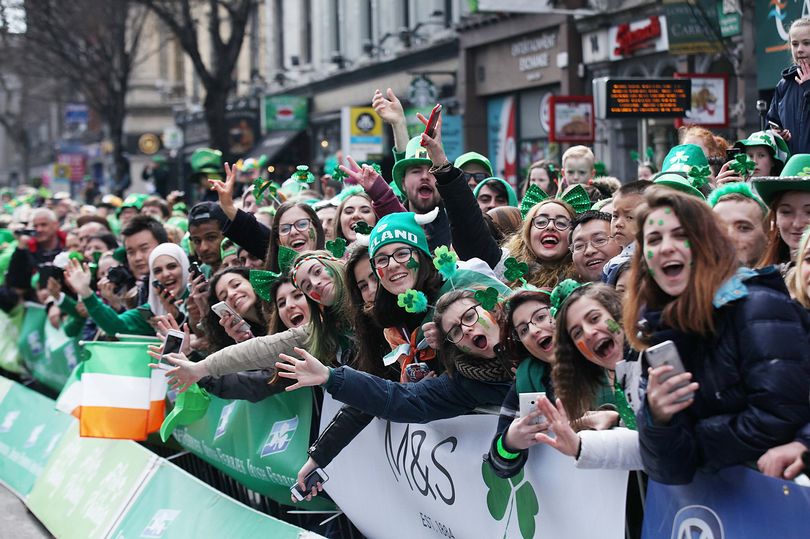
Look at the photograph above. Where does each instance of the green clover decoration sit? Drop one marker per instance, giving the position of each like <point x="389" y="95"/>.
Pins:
<point x="413" y="301"/>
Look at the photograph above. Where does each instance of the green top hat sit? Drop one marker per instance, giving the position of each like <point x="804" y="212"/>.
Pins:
<point x="685" y="169"/>
<point x="775" y="143"/>
<point x="415" y="156"/>
<point x="207" y="161"/>
<point x="795" y="177"/>
<point x="474" y="157"/>
<point x="510" y="193"/>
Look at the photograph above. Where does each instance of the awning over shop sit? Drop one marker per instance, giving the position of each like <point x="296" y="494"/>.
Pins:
<point x="272" y="144"/>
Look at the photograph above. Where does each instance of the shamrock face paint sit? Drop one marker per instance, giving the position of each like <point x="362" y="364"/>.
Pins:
<point x="595" y="332"/>
<point x="668" y="251"/>
<point x="412" y="264"/>
<point x="396" y="265"/>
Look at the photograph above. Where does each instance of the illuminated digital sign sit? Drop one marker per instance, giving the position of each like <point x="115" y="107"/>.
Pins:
<point x="653" y="98"/>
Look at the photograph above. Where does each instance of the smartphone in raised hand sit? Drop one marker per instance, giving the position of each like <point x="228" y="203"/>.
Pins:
<point x="666" y="353"/>
<point x="430" y="129"/>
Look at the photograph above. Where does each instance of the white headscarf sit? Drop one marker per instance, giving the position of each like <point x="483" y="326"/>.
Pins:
<point x="175" y="251"/>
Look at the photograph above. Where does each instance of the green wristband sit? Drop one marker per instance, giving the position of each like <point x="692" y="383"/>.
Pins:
<point x="503" y="452"/>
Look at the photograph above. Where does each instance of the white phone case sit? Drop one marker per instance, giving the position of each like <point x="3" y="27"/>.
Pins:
<point x="528" y="403"/>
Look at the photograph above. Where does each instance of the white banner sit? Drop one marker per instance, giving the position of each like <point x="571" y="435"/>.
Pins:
<point x="411" y="480"/>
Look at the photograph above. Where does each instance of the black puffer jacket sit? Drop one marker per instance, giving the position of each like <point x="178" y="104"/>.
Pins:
<point x="790" y="108"/>
<point x="754" y="376"/>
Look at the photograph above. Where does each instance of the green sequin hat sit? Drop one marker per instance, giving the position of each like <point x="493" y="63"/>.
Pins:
<point x="794" y="177"/>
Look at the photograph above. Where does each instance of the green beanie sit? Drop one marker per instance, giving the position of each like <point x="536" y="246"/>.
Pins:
<point x="402" y="227"/>
<point x="511" y="196"/>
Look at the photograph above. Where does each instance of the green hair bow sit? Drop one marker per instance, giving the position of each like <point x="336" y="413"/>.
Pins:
<point x="262" y="281"/>
<point x="285" y="258"/>
<point x="577" y="197"/>
<point x="561" y="293"/>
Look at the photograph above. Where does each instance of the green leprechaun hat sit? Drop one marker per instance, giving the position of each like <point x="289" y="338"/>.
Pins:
<point x="685" y="169"/>
<point x="207" y="161"/>
<point x="795" y="177"/>
<point x="415" y="156"/>
<point x="473" y="157"/>
<point x="134" y="200"/>
<point x="776" y="144"/>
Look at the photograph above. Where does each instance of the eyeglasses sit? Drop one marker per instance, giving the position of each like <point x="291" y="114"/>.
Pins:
<point x="401" y="255"/>
<point x="597" y="241"/>
<point x="538" y="317"/>
<point x="560" y="223"/>
<point x="301" y="225"/>
<point x="477" y="176"/>
<point x="468" y="319"/>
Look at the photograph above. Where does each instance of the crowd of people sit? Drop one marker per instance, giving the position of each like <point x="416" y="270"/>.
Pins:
<point x="447" y="288"/>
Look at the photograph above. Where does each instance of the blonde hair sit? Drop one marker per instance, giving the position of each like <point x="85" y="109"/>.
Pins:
<point x="798" y="23"/>
<point x="794" y="276"/>
<point x="578" y="152"/>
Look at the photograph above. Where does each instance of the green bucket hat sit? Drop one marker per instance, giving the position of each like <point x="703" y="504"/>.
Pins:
<point x="189" y="407"/>
<point x="510" y="193"/>
<point x="207" y="161"/>
<point x="795" y="177"/>
<point x="775" y="143"/>
<point x="401" y="227"/>
<point x="415" y="156"/>
<point x="685" y="169"/>
<point x="474" y="157"/>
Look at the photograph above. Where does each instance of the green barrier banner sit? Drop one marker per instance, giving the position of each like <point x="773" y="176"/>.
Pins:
<point x="30" y="429"/>
<point x="47" y="352"/>
<point x="10" y="329"/>
<point x="88" y="483"/>
<point x="262" y="445"/>
<point x="174" y="504"/>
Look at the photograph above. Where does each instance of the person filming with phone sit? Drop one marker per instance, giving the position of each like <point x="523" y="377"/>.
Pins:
<point x="743" y="345"/>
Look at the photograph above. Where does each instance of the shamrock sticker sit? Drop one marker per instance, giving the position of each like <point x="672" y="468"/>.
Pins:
<point x="362" y="228"/>
<point x="515" y="494"/>
<point x="699" y="176"/>
<point x="444" y="260"/>
<point x="337" y="247"/>
<point x="413" y="301"/>
<point x="742" y="164"/>
<point x="303" y="175"/>
<point x="804" y="172"/>
<point x="487" y="298"/>
<point x="515" y="270"/>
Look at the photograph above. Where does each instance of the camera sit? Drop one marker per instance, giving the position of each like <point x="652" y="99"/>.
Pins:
<point x="26" y="232"/>
<point x="122" y="278"/>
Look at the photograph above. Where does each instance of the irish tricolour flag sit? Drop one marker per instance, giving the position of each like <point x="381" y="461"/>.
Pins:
<point x="121" y="397"/>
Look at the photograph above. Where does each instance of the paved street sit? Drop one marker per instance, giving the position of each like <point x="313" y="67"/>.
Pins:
<point x="15" y="520"/>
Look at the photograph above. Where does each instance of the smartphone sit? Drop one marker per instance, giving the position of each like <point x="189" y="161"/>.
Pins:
<point x="528" y="404"/>
<point x="732" y="153"/>
<point x="172" y="345"/>
<point x="666" y="353"/>
<point x="416" y="371"/>
<point x="157" y="284"/>
<point x="312" y="479"/>
<point x="221" y="308"/>
<point x="194" y="270"/>
<point x="26" y="232"/>
<point x="430" y="130"/>
<point x="775" y="126"/>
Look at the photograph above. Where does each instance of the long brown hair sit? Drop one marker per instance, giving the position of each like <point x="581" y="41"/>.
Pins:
<point x="428" y="281"/>
<point x="541" y="274"/>
<point x="577" y="380"/>
<point x="714" y="260"/>
<point x="336" y="228"/>
<point x="271" y="260"/>
<point x="514" y="348"/>
<point x="777" y="251"/>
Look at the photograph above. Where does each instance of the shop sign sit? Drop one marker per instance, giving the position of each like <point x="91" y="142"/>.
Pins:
<point x="773" y="19"/>
<point x="635" y="38"/>
<point x="285" y="113"/>
<point x="693" y="27"/>
<point x="422" y="92"/>
<point x="361" y="133"/>
<point x="572" y="119"/>
<point x="729" y="15"/>
<point x="528" y="61"/>
<point x="709" y="100"/>
<point x="533" y="54"/>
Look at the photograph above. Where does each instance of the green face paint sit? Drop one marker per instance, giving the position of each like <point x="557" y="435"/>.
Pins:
<point x="687" y="244"/>
<point x="311" y="234"/>
<point x="613" y="326"/>
<point x="651" y="222"/>
<point x="412" y="263"/>
<point x="649" y="254"/>
<point x="464" y="349"/>
<point x="651" y="272"/>
<point x="660" y="222"/>
<point x="667" y="210"/>
<point x="484" y="322"/>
